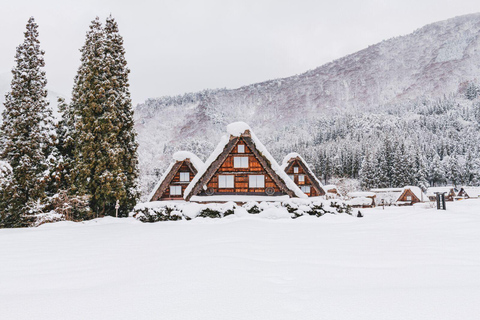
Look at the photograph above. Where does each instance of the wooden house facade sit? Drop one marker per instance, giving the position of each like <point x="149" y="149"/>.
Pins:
<point x="241" y="166"/>
<point x="298" y="170"/>
<point x="177" y="177"/>
<point x="411" y="195"/>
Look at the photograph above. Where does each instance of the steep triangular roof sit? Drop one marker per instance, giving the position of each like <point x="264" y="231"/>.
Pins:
<point x="241" y="131"/>
<point x="288" y="162"/>
<point x="416" y="191"/>
<point x="181" y="157"/>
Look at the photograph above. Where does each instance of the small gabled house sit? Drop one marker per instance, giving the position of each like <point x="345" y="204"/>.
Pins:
<point x="411" y="195"/>
<point x="469" y="192"/>
<point x="177" y="177"/>
<point x="361" y="199"/>
<point x="386" y="196"/>
<point x="450" y="193"/>
<point x="241" y="169"/>
<point x="298" y="170"/>
<point x="332" y="191"/>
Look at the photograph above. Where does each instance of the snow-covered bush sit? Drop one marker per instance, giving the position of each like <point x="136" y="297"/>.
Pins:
<point x="71" y="207"/>
<point x="293" y="208"/>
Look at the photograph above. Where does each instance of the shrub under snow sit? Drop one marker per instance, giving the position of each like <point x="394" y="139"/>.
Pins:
<point x="293" y="208"/>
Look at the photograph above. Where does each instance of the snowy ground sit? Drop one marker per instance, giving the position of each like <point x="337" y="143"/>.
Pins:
<point x="397" y="263"/>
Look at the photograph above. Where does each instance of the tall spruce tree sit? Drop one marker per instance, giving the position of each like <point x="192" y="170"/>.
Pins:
<point x="27" y="130"/>
<point x="105" y="162"/>
<point x="124" y="145"/>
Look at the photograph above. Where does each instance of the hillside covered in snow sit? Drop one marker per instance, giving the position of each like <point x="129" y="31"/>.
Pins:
<point x="410" y="84"/>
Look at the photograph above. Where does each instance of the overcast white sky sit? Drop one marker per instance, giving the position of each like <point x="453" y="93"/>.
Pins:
<point x="178" y="46"/>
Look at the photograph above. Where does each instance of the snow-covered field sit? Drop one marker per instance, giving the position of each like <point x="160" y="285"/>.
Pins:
<point x="397" y="263"/>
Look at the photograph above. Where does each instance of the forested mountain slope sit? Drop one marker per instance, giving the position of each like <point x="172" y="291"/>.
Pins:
<point x="414" y="82"/>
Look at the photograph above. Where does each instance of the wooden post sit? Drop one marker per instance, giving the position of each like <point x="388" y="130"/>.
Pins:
<point x="117" y="206"/>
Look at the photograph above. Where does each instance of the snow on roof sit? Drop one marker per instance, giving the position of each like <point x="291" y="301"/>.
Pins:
<point x="360" y="201"/>
<point x="380" y="190"/>
<point x="330" y="187"/>
<point x="294" y="155"/>
<point x="416" y="191"/>
<point x="177" y="156"/>
<point x="431" y="191"/>
<point x="360" y="194"/>
<point x="236" y="129"/>
<point x="472" y="192"/>
<point x="184" y="155"/>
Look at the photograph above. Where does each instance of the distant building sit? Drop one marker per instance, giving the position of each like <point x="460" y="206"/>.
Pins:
<point x="299" y="171"/>
<point x="387" y="196"/>
<point x="469" y="192"/>
<point x="361" y="199"/>
<point x="177" y="177"/>
<point x="450" y="193"/>
<point x="411" y="195"/>
<point x="331" y="191"/>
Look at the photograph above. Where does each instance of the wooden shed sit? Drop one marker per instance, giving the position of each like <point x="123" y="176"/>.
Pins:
<point x="177" y="177"/>
<point x="469" y="192"/>
<point x="411" y="195"/>
<point x="361" y="199"/>
<point x="299" y="171"/>
<point x="332" y="191"/>
<point x="450" y="193"/>
<point x="241" y="169"/>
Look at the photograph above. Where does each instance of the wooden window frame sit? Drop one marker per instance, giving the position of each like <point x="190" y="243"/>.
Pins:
<point x="255" y="178"/>
<point x="240" y="163"/>
<point x="172" y="188"/>
<point x="304" y="189"/>
<point x="241" y="148"/>
<point x="295" y="169"/>
<point x="183" y="174"/>
<point x="224" y="178"/>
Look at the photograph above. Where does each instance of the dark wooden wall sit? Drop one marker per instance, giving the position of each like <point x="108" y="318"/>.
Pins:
<point x="306" y="182"/>
<point x="176" y="182"/>
<point x="241" y="181"/>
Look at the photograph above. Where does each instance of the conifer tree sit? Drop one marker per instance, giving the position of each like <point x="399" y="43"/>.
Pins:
<point x="105" y="152"/>
<point x="28" y="132"/>
<point x="118" y="97"/>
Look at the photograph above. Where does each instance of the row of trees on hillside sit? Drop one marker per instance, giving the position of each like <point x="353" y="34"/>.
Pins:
<point x="432" y="143"/>
<point x="83" y="164"/>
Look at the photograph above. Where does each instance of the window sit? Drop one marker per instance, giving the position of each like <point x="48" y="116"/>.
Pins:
<point x="175" y="190"/>
<point x="255" y="181"/>
<point x="291" y="176"/>
<point x="409" y="198"/>
<point x="295" y="169"/>
<point x="240" y="162"/>
<point x="301" y="178"/>
<point x="225" y="181"/>
<point x="305" y="189"/>
<point x="184" y="176"/>
<point x="241" y="148"/>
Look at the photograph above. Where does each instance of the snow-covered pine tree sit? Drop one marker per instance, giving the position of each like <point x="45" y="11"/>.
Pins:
<point x="419" y="170"/>
<point x="105" y="153"/>
<point x="369" y="172"/>
<point x="118" y="97"/>
<point x="28" y="131"/>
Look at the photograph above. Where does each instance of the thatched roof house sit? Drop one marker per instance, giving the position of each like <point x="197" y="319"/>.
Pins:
<point x="299" y="171"/>
<point x="177" y="177"/>
<point x="241" y="169"/>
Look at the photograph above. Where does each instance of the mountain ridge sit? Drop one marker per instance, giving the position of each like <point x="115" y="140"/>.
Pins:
<point x="429" y="63"/>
